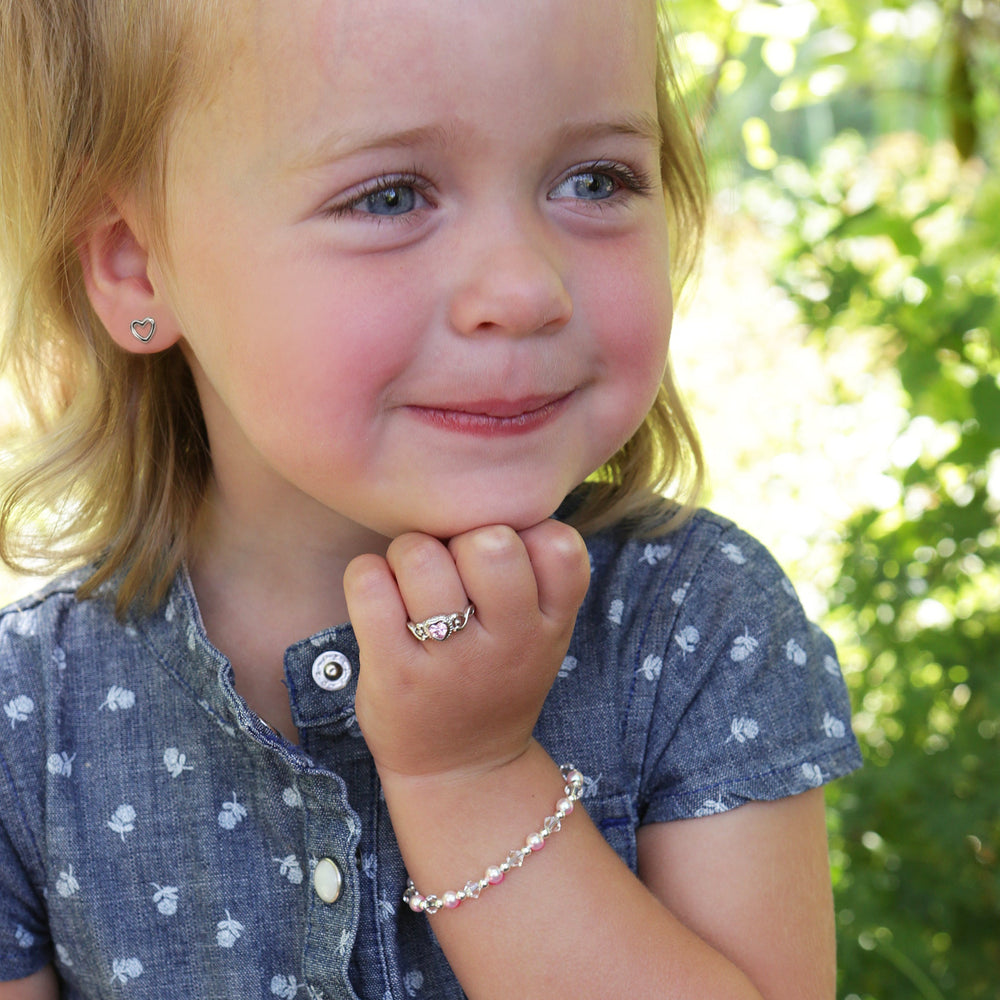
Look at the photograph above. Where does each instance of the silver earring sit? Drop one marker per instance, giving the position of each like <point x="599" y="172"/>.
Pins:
<point x="140" y="327"/>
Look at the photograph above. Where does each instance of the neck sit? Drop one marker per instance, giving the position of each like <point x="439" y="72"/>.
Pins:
<point x="264" y="582"/>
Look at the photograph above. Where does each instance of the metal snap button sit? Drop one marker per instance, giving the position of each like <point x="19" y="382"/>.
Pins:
<point x="331" y="671"/>
<point x="327" y="880"/>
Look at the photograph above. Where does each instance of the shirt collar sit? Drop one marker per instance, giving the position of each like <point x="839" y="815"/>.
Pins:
<point x="321" y="671"/>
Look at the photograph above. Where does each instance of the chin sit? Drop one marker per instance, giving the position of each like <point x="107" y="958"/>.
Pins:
<point x="518" y="513"/>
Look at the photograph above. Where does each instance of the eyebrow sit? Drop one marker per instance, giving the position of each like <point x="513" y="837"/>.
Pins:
<point x="645" y="127"/>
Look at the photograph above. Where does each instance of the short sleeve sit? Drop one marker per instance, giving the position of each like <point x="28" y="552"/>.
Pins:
<point x="25" y="945"/>
<point x="24" y="937"/>
<point x="751" y="704"/>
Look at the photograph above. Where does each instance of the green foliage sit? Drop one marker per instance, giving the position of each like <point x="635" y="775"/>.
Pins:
<point x="867" y="131"/>
<point x="912" y="262"/>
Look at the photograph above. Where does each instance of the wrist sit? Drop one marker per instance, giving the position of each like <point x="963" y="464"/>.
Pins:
<point x="494" y="874"/>
<point x="450" y="828"/>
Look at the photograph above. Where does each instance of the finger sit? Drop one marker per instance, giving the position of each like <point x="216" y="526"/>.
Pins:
<point x="425" y="572"/>
<point x="561" y="566"/>
<point x="374" y="604"/>
<point x="497" y="574"/>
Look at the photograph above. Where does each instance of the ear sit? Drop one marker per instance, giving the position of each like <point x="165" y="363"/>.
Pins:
<point x="116" y="272"/>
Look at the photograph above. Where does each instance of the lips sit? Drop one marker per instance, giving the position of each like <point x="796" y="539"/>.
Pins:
<point x="494" y="416"/>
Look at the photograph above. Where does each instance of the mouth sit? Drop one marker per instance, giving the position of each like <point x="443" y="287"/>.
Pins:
<point x="494" y="417"/>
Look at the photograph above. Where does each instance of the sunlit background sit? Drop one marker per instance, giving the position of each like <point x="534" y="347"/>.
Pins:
<point x="841" y="354"/>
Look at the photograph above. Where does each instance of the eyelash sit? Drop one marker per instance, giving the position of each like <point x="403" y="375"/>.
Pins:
<point x="630" y="180"/>
<point x="348" y="207"/>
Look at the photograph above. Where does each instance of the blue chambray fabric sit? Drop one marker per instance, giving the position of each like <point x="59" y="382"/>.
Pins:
<point x="157" y="838"/>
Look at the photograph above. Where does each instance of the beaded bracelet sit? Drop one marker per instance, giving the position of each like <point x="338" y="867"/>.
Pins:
<point x="495" y="873"/>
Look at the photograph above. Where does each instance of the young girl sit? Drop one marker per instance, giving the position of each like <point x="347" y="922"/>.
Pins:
<point x="324" y="309"/>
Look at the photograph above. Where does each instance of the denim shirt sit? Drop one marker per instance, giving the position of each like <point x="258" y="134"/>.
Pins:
<point x="158" y="840"/>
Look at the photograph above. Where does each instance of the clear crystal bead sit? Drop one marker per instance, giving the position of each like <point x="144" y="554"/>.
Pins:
<point x="472" y="890"/>
<point x="515" y="859"/>
<point x="552" y="825"/>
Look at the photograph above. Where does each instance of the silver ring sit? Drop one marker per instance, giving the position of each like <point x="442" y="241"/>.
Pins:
<point x="441" y="626"/>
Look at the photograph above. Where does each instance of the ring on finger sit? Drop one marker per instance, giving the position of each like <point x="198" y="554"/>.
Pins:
<point x="439" y="627"/>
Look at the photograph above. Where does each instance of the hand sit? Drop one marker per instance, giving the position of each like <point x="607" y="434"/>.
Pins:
<point x="468" y="704"/>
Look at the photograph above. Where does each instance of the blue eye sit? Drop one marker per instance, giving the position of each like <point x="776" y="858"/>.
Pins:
<point x="601" y="181"/>
<point x="590" y="186"/>
<point x="395" y="196"/>
<point x="395" y="199"/>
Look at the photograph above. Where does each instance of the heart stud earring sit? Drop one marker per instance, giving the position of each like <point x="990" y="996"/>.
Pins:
<point x="143" y="329"/>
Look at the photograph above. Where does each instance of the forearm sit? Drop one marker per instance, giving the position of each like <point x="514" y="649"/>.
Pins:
<point x="573" y="921"/>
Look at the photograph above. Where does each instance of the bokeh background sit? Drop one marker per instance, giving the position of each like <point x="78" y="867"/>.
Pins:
<point x="841" y="353"/>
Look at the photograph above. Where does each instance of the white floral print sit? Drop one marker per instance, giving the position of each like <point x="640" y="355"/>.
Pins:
<point x="166" y="898"/>
<point x="66" y="884"/>
<point x="60" y="764"/>
<point x="413" y="981"/>
<point x="231" y="814"/>
<point x="568" y="666"/>
<point x="652" y="554"/>
<point x="743" y="647"/>
<point x="710" y="807"/>
<point x="228" y="931"/>
<point x="833" y="727"/>
<point x="18" y="709"/>
<point x="651" y="668"/>
<point x="124" y="969"/>
<point x="615" y="611"/>
<point x="118" y="699"/>
<point x="733" y="553"/>
<point x="344" y="943"/>
<point x="123" y="820"/>
<point x="25" y="939"/>
<point x="795" y="653"/>
<point x="813" y="774"/>
<point x="290" y="868"/>
<point x="743" y="730"/>
<point x="677" y="597"/>
<point x="291" y="798"/>
<point x="285" y="986"/>
<point x="175" y="762"/>
<point x="688" y="638"/>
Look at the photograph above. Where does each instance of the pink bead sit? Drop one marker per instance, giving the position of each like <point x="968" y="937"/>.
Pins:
<point x="565" y="806"/>
<point x="416" y="902"/>
<point x="535" y="842"/>
<point x="450" y="900"/>
<point x="493" y="875"/>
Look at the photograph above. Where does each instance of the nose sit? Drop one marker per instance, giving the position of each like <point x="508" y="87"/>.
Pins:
<point x="511" y="288"/>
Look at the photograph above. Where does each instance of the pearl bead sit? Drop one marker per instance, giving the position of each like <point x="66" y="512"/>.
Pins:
<point x="494" y="875"/>
<point x="535" y="842"/>
<point x="451" y="900"/>
<point x="416" y="902"/>
<point x="564" y="806"/>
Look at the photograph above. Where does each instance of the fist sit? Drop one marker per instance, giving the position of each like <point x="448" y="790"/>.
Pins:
<point x="469" y="703"/>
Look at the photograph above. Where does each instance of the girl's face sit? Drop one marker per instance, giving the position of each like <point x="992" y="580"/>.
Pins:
<point x="418" y="253"/>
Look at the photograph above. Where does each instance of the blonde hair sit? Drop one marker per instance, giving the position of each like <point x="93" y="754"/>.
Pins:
<point x="118" y="464"/>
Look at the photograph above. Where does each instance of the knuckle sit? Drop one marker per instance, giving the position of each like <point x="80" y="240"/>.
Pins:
<point x="414" y="551"/>
<point x="363" y="576"/>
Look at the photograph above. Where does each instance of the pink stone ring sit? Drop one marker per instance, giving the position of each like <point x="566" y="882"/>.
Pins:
<point x="441" y="626"/>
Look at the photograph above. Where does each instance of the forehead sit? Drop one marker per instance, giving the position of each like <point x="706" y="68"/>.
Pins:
<point x="299" y="69"/>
